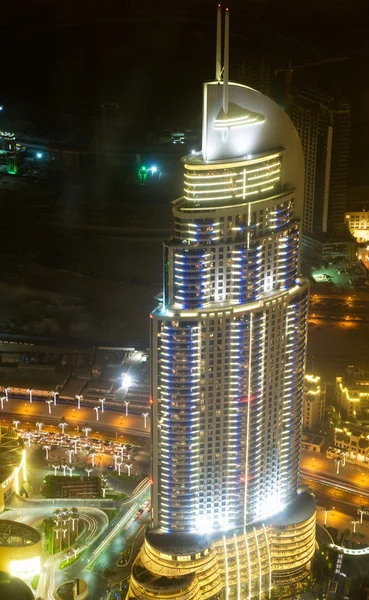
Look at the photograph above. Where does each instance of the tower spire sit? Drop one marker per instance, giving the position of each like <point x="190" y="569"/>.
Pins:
<point x="226" y="62"/>
<point x="218" y="56"/>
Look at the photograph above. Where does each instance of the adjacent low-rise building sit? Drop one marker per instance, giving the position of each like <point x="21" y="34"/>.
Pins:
<point x="352" y="394"/>
<point x="313" y="403"/>
<point x="353" y="442"/>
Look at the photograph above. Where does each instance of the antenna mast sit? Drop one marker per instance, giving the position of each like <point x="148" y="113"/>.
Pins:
<point x="226" y="62"/>
<point x="218" y="57"/>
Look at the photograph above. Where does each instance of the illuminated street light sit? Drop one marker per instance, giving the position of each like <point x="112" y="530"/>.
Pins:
<point x="56" y="468"/>
<point x="354" y="523"/>
<point x="49" y="402"/>
<point x="62" y="426"/>
<point x="126" y="381"/>
<point x="69" y="453"/>
<point x="325" y="511"/>
<point x="64" y="532"/>
<point x="102" y="400"/>
<point x="39" y="425"/>
<point x="338" y="462"/>
<point x="116" y="456"/>
<point x="129" y="467"/>
<point x="16" y="423"/>
<point x="126" y="402"/>
<point x="86" y="430"/>
<point x="97" y="408"/>
<point x="119" y="465"/>
<point x="88" y="471"/>
<point x="361" y="512"/>
<point x="145" y="415"/>
<point x="47" y="448"/>
<point x="28" y="436"/>
<point x="54" y="395"/>
<point x="64" y="467"/>
<point x="30" y="395"/>
<point x="70" y="469"/>
<point x="75" y="442"/>
<point x="153" y="169"/>
<point x="121" y="449"/>
<point x="92" y="456"/>
<point x="79" y="398"/>
<point x="2" y="398"/>
<point x="6" y="392"/>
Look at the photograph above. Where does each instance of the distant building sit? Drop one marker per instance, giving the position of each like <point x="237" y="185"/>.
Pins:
<point x="352" y="393"/>
<point x="313" y="403"/>
<point x="358" y="225"/>
<point x="253" y="70"/>
<point x="323" y="124"/>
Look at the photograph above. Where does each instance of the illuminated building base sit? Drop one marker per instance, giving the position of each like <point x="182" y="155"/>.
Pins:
<point x="240" y="564"/>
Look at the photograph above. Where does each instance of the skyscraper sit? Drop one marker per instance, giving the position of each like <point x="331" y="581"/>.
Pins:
<point x="228" y="356"/>
<point x="322" y="120"/>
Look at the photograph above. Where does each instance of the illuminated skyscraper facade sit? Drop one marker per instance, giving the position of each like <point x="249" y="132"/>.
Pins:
<point x="228" y="356"/>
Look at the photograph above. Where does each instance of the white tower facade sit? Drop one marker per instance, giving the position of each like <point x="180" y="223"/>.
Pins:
<point x="228" y="348"/>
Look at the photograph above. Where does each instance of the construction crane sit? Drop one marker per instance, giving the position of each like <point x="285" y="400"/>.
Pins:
<point x="290" y="67"/>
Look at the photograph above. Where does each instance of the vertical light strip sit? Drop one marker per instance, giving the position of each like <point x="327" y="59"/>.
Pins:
<point x="249" y="587"/>
<point x="269" y="561"/>
<point x="226" y="564"/>
<point x="238" y="568"/>
<point x="248" y="422"/>
<point x="244" y="185"/>
<point x="259" y="559"/>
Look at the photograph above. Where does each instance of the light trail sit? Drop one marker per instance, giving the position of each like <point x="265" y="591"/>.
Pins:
<point x="123" y="521"/>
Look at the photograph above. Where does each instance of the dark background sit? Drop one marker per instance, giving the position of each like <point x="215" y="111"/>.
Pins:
<point x="151" y="57"/>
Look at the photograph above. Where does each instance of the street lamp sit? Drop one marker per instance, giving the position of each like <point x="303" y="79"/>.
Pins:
<point x="30" y="395"/>
<point x="75" y="442"/>
<point x="62" y="426"/>
<point x="39" y="425"/>
<point x="116" y="456"/>
<point x="361" y="511"/>
<point x="2" y="398"/>
<point x="70" y="469"/>
<point x="121" y="449"/>
<point x="64" y="467"/>
<point x="102" y="400"/>
<point x="145" y="415"/>
<point x="88" y="471"/>
<point x="354" y="524"/>
<point x="56" y="468"/>
<point x="92" y="456"/>
<point x="325" y="511"/>
<point x="49" y="402"/>
<point x="79" y="398"/>
<point x="6" y="392"/>
<point x="338" y="462"/>
<point x="69" y="453"/>
<point x="126" y="402"/>
<point x="129" y="467"/>
<point x="16" y="423"/>
<point x="86" y="430"/>
<point x="28" y="436"/>
<point x="97" y="408"/>
<point x="119" y="465"/>
<point x="54" y="395"/>
<point x="46" y="448"/>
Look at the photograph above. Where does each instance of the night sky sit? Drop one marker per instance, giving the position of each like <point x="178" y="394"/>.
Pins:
<point x="151" y="57"/>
